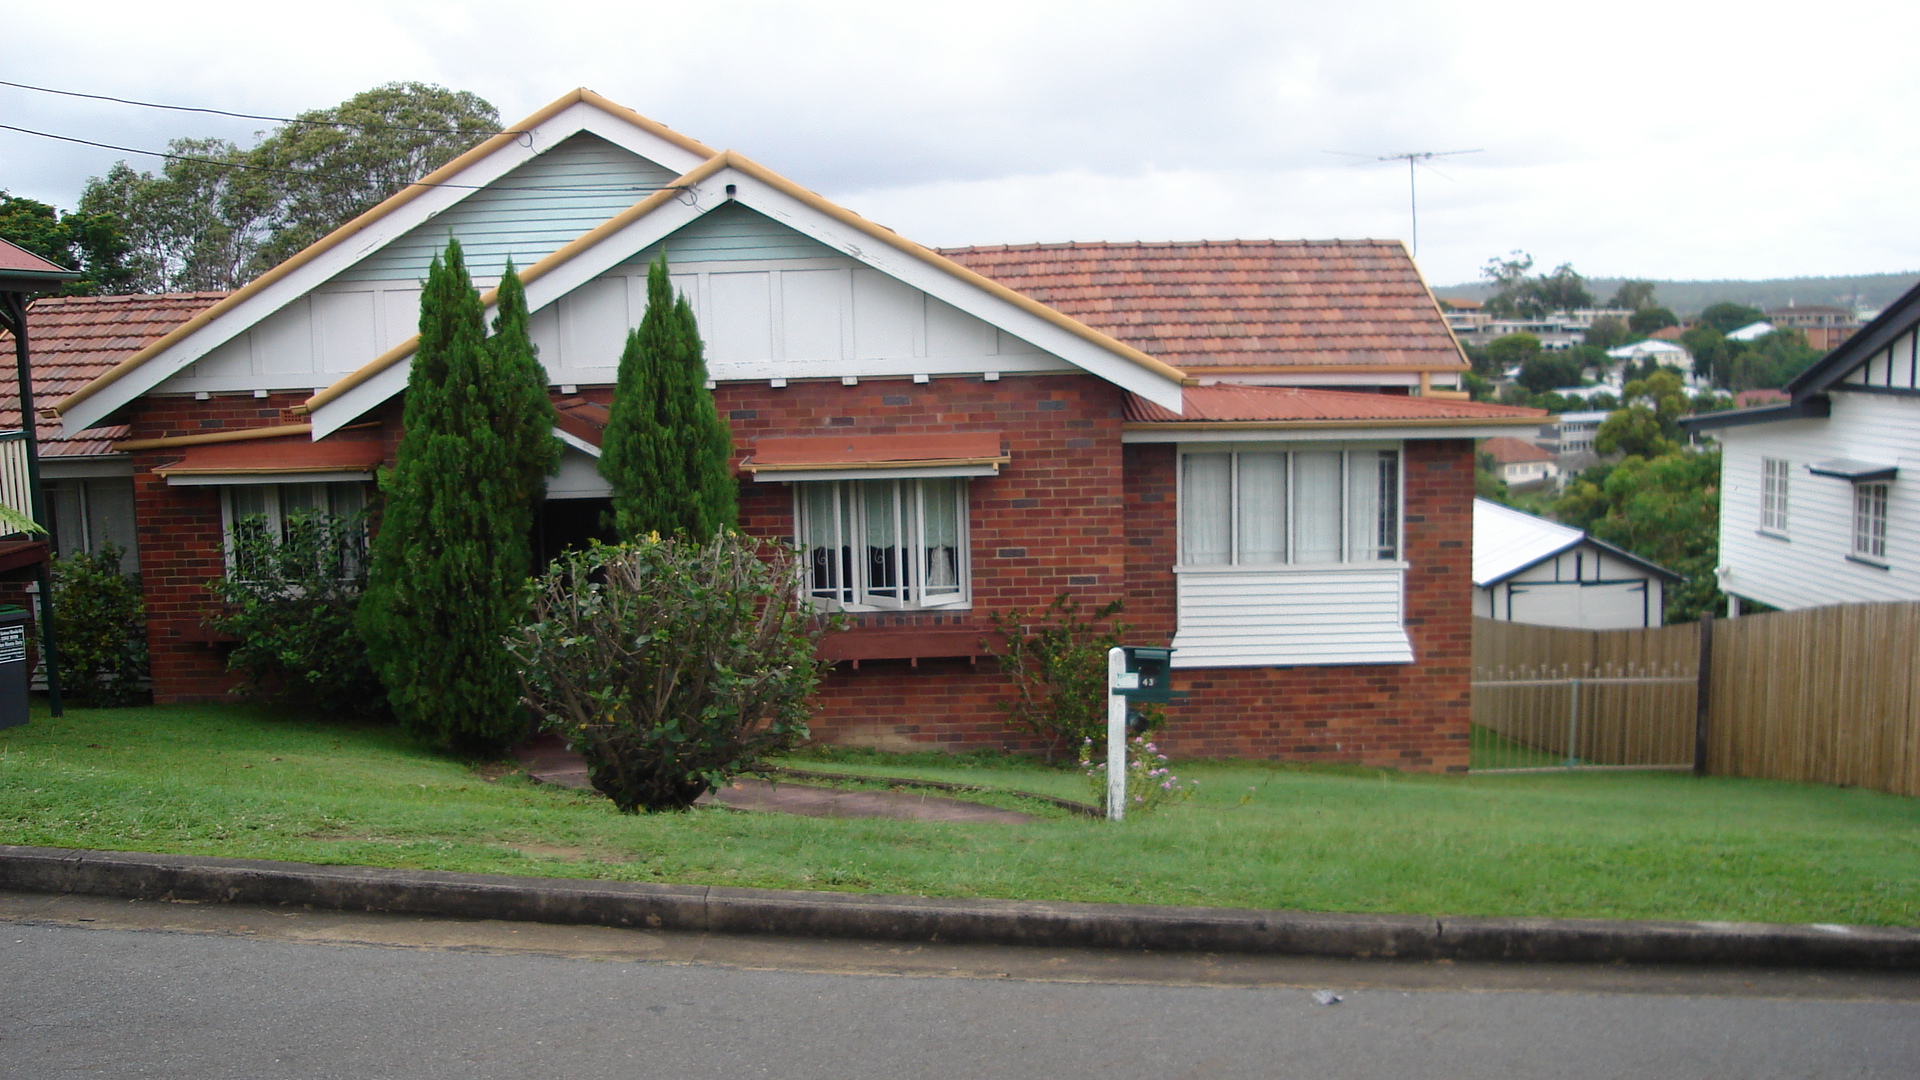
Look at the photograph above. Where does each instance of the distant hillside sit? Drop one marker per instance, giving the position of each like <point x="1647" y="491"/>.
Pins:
<point x="1871" y="291"/>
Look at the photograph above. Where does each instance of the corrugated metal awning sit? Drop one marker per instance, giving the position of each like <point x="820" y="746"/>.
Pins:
<point x="853" y="457"/>
<point x="275" y="461"/>
<point x="1856" y="471"/>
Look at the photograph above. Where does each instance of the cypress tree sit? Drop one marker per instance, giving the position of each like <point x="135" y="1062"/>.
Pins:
<point x="452" y="555"/>
<point x="666" y="452"/>
<point x="527" y="418"/>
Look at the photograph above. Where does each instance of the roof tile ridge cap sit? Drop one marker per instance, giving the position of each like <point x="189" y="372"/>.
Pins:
<point x="537" y="270"/>
<point x="282" y="269"/>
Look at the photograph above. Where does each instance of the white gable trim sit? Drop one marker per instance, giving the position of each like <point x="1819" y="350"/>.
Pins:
<point x="581" y="116"/>
<point x="710" y="192"/>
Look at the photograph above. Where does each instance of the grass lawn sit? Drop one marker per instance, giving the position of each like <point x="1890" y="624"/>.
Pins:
<point x="237" y="781"/>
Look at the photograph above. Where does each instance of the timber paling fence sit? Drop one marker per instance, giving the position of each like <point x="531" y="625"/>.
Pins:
<point x="1826" y="695"/>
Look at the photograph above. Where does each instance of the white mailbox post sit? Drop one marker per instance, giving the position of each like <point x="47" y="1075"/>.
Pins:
<point x="1119" y="680"/>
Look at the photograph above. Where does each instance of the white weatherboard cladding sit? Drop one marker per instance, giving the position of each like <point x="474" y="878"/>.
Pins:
<point x="328" y="267"/>
<point x="1807" y="564"/>
<point x="1585" y="587"/>
<point x="1247" y="617"/>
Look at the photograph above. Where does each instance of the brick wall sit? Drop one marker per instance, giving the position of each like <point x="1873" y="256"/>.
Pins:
<point x="1409" y="716"/>
<point x="181" y="547"/>
<point x="1074" y="510"/>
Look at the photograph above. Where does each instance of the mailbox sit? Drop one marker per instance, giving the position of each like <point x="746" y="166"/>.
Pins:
<point x="1153" y="679"/>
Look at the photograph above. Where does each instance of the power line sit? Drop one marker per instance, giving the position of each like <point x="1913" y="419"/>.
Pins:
<point x="240" y="115"/>
<point x="289" y="172"/>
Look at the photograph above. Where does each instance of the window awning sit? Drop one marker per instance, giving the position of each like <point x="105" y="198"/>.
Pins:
<point x="858" y="457"/>
<point x="1856" y="471"/>
<point x="295" y="460"/>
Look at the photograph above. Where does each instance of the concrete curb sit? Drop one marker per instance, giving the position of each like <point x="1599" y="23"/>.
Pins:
<point x="138" y="875"/>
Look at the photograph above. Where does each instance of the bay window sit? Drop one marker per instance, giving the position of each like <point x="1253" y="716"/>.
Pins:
<point x="884" y="544"/>
<point x="1262" y="505"/>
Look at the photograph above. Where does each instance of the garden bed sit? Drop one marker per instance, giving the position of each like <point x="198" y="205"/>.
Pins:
<point x="242" y="782"/>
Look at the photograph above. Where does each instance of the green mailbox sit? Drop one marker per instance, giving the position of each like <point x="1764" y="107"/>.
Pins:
<point x="1153" y="678"/>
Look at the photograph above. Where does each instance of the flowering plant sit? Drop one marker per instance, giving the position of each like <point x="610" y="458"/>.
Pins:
<point x="1150" y="779"/>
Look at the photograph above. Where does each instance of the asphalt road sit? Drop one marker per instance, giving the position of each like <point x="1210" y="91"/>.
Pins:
<point x="120" y="989"/>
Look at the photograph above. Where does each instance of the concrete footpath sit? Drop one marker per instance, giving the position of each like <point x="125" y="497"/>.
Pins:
<point x="194" y="879"/>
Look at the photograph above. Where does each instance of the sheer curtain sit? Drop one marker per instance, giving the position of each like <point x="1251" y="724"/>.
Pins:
<point x="940" y="538"/>
<point x="1206" y="509"/>
<point x="1373" y="521"/>
<point x="1262" y="494"/>
<point x="1316" y="480"/>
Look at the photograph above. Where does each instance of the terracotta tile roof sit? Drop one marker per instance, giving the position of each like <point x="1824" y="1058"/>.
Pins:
<point x="77" y="338"/>
<point x="584" y="420"/>
<point x="1507" y="450"/>
<point x="1233" y="402"/>
<point x="1235" y="304"/>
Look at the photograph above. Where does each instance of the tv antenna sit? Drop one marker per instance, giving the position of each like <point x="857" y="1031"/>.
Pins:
<point x="1412" y="158"/>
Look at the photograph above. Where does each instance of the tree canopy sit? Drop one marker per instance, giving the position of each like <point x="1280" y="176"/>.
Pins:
<point x="1647" y="320"/>
<point x="1632" y="296"/>
<point x="1665" y="508"/>
<point x="89" y="243"/>
<point x="1648" y="420"/>
<point x="1520" y="294"/>
<point x="1546" y="371"/>
<point x="217" y="215"/>
<point x="1727" y="316"/>
<point x="1608" y="332"/>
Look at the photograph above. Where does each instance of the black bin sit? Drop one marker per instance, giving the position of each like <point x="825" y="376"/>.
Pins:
<point x="14" y="672"/>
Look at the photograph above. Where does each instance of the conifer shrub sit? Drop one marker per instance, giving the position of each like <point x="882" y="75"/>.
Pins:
<point x="452" y="555"/>
<point x="289" y="602"/>
<point x="666" y="452"/>
<point x="100" y="629"/>
<point x="671" y="665"/>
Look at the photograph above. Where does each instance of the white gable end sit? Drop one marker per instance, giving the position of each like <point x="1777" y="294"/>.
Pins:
<point x="462" y="199"/>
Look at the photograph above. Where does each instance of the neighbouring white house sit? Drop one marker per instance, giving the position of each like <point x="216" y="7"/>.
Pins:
<point x="1530" y="570"/>
<point x="1751" y="332"/>
<point x="1666" y="353"/>
<point x="1518" y="461"/>
<point x="1813" y="507"/>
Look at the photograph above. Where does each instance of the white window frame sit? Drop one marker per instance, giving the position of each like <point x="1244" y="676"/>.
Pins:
<point x="1774" y="494"/>
<point x="1870" y="499"/>
<point x="1346" y="449"/>
<point x="859" y="593"/>
<point x="275" y="513"/>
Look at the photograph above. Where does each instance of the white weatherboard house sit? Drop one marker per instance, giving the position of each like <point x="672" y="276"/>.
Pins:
<point x="1527" y="569"/>
<point x="1816" y="503"/>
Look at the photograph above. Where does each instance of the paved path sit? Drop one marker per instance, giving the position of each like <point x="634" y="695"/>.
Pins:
<point x="110" y="988"/>
<point x="548" y="760"/>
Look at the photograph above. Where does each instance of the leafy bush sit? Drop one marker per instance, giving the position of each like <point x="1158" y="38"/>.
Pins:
<point x="1058" y="663"/>
<point x="671" y="665"/>
<point x="1151" y="783"/>
<point x="290" y="601"/>
<point x="100" y="629"/>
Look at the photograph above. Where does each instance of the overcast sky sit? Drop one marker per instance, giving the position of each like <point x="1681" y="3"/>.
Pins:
<point x="1675" y="139"/>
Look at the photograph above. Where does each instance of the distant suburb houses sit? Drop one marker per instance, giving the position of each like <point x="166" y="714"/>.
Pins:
<point x="1258" y="446"/>
<point x="1816" y="501"/>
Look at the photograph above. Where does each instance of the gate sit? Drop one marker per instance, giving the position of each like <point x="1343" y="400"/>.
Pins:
<point x="1546" y="698"/>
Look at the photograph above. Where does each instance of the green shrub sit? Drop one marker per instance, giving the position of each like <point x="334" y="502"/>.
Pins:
<point x="290" y="601"/>
<point x="671" y="665"/>
<point x="100" y="629"/>
<point x="1058" y="663"/>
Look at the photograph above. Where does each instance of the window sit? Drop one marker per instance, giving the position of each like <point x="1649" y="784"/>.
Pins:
<point x="884" y="544"/>
<point x="1870" y="521"/>
<point x="1260" y="506"/>
<point x="90" y="514"/>
<point x="273" y="507"/>
<point x="1773" y="495"/>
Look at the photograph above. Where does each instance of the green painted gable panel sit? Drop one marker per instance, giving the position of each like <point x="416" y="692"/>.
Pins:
<point x="734" y="233"/>
<point x="529" y="212"/>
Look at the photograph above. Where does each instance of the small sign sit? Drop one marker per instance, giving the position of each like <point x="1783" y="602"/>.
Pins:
<point x="13" y="644"/>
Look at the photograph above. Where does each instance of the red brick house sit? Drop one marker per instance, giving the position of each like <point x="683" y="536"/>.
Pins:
<point x="1252" y="444"/>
